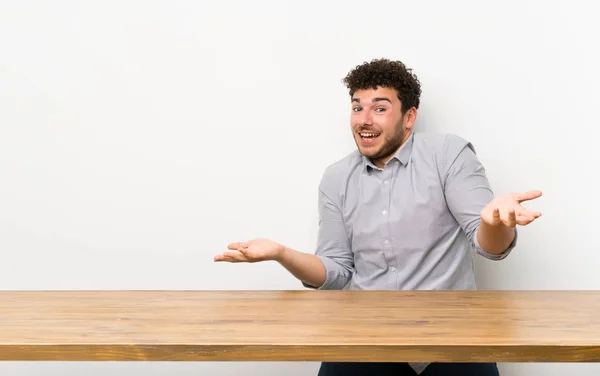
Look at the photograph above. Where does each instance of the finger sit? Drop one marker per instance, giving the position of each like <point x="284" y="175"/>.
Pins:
<point x="496" y="217"/>
<point x="525" y="196"/>
<point x="511" y="219"/>
<point x="526" y="219"/>
<point x="237" y="245"/>
<point x="527" y="213"/>
<point x="221" y="258"/>
<point x="234" y="256"/>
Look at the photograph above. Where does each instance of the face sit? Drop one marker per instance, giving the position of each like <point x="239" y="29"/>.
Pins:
<point x="378" y="125"/>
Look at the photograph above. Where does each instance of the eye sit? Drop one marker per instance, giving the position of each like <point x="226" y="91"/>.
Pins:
<point x="356" y="109"/>
<point x="380" y="109"/>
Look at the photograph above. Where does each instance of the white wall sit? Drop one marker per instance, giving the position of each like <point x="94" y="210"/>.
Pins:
<point x="138" y="138"/>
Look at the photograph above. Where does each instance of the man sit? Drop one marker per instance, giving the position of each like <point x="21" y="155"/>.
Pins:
<point x="401" y="212"/>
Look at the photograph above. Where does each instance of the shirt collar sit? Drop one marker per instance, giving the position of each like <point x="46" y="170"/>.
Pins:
<point x="402" y="155"/>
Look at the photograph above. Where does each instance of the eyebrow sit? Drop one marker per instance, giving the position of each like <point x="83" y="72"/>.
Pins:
<point x="378" y="99"/>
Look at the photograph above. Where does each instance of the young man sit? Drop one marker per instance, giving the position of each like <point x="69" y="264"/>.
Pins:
<point x="401" y="212"/>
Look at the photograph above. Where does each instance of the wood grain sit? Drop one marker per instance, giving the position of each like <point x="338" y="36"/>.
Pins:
<point x="474" y="326"/>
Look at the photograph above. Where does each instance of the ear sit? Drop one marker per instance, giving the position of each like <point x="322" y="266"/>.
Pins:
<point x="410" y="117"/>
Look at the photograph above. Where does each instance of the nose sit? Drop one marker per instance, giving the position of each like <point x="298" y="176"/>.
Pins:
<point x="364" y="119"/>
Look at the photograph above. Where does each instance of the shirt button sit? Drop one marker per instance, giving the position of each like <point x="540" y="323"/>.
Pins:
<point x="393" y="269"/>
<point x="386" y="182"/>
<point x="384" y="212"/>
<point x="386" y="242"/>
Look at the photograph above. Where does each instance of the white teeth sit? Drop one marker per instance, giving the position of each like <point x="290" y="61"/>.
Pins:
<point x="369" y="134"/>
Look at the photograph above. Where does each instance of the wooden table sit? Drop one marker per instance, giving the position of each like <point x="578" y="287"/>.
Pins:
<point x="511" y="326"/>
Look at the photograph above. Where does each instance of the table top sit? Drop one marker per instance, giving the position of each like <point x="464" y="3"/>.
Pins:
<point x="303" y="325"/>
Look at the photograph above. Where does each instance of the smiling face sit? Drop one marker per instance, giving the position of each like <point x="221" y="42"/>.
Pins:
<point x="378" y="124"/>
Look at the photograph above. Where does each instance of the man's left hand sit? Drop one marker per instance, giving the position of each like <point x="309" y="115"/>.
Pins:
<point x="507" y="210"/>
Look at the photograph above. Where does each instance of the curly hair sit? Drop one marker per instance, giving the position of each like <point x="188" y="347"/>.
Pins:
<point x="386" y="73"/>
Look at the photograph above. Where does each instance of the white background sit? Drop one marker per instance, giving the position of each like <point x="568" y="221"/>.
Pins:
<point x="138" y="138"/>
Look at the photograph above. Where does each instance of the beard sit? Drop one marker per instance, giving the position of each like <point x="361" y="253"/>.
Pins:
<point x="391" y="143"/>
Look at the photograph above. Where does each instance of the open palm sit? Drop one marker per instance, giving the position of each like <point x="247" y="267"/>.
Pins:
<point x="251" y="251"/>
<point x="507" y="210"/>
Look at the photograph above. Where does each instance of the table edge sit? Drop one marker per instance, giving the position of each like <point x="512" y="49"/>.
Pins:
<point x="316" y="353"/>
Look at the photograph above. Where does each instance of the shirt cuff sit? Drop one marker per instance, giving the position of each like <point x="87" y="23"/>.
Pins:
<point x="332" y="275"/>
<point x="492" y="256"/>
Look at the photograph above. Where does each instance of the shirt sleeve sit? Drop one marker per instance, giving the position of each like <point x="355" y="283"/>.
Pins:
<point x="333" y="244"/>
<point x="467" y="190"/>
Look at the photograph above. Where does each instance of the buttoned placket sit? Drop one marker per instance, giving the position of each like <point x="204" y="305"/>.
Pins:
<point x="387" y="175"/>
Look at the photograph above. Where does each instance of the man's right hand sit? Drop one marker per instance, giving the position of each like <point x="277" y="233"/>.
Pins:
<point x="252" y="251"/>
